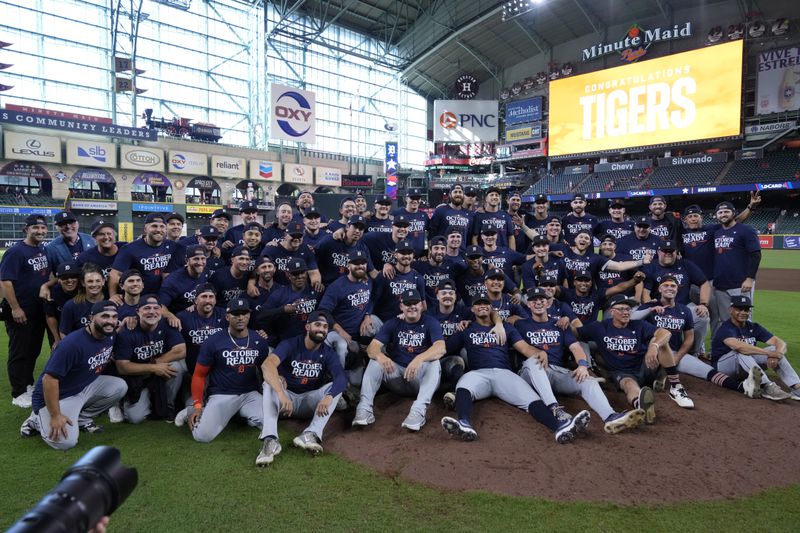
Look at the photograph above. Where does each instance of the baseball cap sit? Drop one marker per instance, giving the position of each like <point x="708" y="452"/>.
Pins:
<point x="456" y="186"/>
<point x="657" y="198"/>
<point x="221" y="213"/>
<point x="264" y="259"/>
<point x="667" y="246"/>
<point x="493" y="189"/>
<point x="668" y="277"/>
<point x="487" y="228"/>
<point x="741" y="301"/>
<point x="540" y="199"/>
<point x="345" y="200"/>
<point x="63" y="217"/>
<point x="297" y="264"/>
<point x="582" y="274"/>
<point x="616" y="202"/>
<point x="608" y="237"/>
<point x="240" y="250"/>
<point x="693" y="209"/>
<point x="385" y="200"/>
<point x="295" y="228"/>
<point x="209" y="232"/>
<point x="253" y="226"/>
<point x="176" y="216"/>
<point x="547" y="281"/>
<point x="247" y="205"/>
<point x="724" y="205"/>
<point x="539" y="240"/>
<point x="411" y="296"/>
<point x="32" y="220"/>
<point x="474" y="251"/>
<point x="642" y="221"/>
<point x="513" y="194"/>
<point x="312" y="212"/>
<point x="536" y="292"/>
<point x="195" y="250"/>
<point x="414" y="193"/>
<point x="481" y="297"/>
<point x="438" y="241"/>
<point x="621" y="299"/>
<point x="446" y="284"/>
<point x="97" y="225"/>
<point x="316" y="316"/>
<point x="553" y="219"/>
<point x="401" y="221"/>
<point x="147" y="299"/>
<point x="579" y="196"/>
<point x="403" y="246"/>
<point x="495" y="273"/>
<point x="68" y="269"/>
<point x="101" y="306"/>
<point x="204" y="287"/>
<point x="154" y="217"/>
<point x="470" y="191"/>
<point x="238" y="305"/>
<point x="453" y="229"/>
<point x="130" y="273"/>
<point x="357" y="220"/>
<point x="358" y="256"/>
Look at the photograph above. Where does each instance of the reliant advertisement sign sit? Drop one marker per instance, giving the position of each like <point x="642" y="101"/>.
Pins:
<point x="228" y="167"/>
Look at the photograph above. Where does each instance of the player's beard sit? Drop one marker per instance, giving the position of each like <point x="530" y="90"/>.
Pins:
<point x="316" y="336"/>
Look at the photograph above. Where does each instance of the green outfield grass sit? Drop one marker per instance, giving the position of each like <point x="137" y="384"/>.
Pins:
<point x="780" y="259"/>
<point x="186" y="486"/>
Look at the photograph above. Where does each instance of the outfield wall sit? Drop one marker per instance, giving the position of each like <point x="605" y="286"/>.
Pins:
<point x="779" y="242"/>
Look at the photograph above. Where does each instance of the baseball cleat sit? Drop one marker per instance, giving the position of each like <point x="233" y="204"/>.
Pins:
<point x="772" y="391"/>
<point x="560" y="413"/>
<point x="621" y="421"/>
<point x="414" y="421"/>
<point x="449" y="400"/>
<point x="568" y="431"/>
<point x="269" y="450"/>
<point x="660" y="383"/>
<point x="459" y="428"/>
<point x="363" y="418"/>
<point x="341" y="404"/>
<point x="182" y="417"/>
<point x="91" y="427"/>
<point x="308" y="440"/>
<point x="30" y="427"/>
<point x="795" y="394"/>
<point x="23" y="401"/>
<point x="647" y="403"/>
<point x="678" y="394"/>
<point x="115" y="415"/>
<point x="752" y="385"/>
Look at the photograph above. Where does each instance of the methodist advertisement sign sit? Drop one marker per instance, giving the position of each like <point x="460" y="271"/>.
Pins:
<point x="292" y="114"/>
<point x="27" y="147"/>
<point x="778" y="81"/>
<point x="465" y="121"/>
<point x="522" y="111"/>
<point x="683" y="97"/>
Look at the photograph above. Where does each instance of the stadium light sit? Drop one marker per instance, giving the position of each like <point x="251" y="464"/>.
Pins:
<point x="514" y="8"/>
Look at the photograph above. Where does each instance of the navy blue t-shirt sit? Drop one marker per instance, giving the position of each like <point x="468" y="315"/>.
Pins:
<point x="610" y="278"/>
<point x="549" y="338"/>
<point x="74" y="316"/>
<point x="26" y="266"/>
<point x="178" y="290"/>
<point x="503" y="258"/>
<point x="379" y="225"/>
<point x="676" y="319"/>
<point x="433" y="275"/>
<point x="333" y="257"/>
<point x="387" y="292"/>
<point x="139" y="346"/>
<point x="505" y="308"/>
<point x="572" y="225"/>
<point x="151" y="261"/>
<point x="586" y="308"/>
<point x="499" y="220"/>
<point x="617" y="229"/>
<point x="405" y="341"/>
<point x="306" y="370"/>
<point x="381" y="248"/>
<point x="623" y="349"/>
<point x="76" y="362"/>
<point x="551" y="267"/>
<point x="312" y="241"/>
<point x="685" y="272"/>
<point x="227" y="286"/>
<point x="637" y="248"/>
<point x="483" y="350"/>
<point x="287" y="326"/>
<point x="417" y="228"/>
<point x="445" y="217"/>
<point x="196" y="330"/>
<point x="234" y="363"/>
<point x="59" y="298"/>
<point x="281" y="257"/>
<point x="660" y="228"/>
<point x="751" y="333"/>
<point x="734" y="246"/>
<point x="471" y="284"/>
<point x="93" y="255"/>
<point x="698" y="247"/>
<point x="348" y="302"/>
<point x="449" y="321"/>
<point x="558" y="309"/>
<point x="573" y="262"/>
<point x="263" y="294"/>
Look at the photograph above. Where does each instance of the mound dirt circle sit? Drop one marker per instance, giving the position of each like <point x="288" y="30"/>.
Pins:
<point x="729" y="446"/>
<point x="778" y="279"/>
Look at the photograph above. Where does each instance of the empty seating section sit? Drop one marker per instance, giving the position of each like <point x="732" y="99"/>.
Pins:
<point x="790" y="223"/>
<point x="33" y="199"/>
<point x="780" y="165"/>
<point x="616" y="180"/>
<point x="684" y="175"/>
<point x="555" y="183"/>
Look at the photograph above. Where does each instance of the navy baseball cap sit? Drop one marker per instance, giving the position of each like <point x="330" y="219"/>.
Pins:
<point x="103" y="305"/>
<point x="316" y="316"/>
<point x="403" y="246"/>
<point x="384" y="200"/>
<point x="474" y="251"/>
<point x="247" y="205"/>
<point x="453" y="229"/>
<point x="456" y="186"/>
<point x="579" y="196"/>
<point x="642" y="221"/>
<point x="221" y="213"/>
<point x="539" y="240"/>
<point x="414" y="193"/>
<point x="68" y="269"/>
<point x="621" y="299"/>
<point x="345" y="200"/>
<point x="357" y="220"/>
<point x="743" y="302"/>
<point x="62" y="217"/>
<point x="297" y="264"/>
<point x="495" y="273"/>
<point x="195" y="250"/>
<point x="481" y="297"/>
<point x="693" y="209"/>
<point x="401" y="221"/>
<point x="35" y="219"/>
<point x="491" y="190"/>
<point x="487" y="228"/>
<point x="608" y="237"/>
<point x="265" y="259"/>
<point x="97" y="225"/>
<point x="253" y="226"/>
<point x="312" y="212"/>
<point x="540" y="199"/>
<point x="295" y="229"/>
<point x="470" y="191"/>
<point x="358" y="256"/>
<point x="616" y="202"/>
<point x="176" y="216"/>
<point x="209" y="232"/>
<point x="658" y="198"/>
<point x="147" y="299"/>
<point x="553" y="218"/>
<point x="668" y="277"/>
<point x="240" y="250"/>
<point x="130" y="273"/>
<point x="547" y="281"/>
<point x="582" y="274"/>
<point x="438" y="241"/>
<point x="446" y="284"/>
<point x="204" y="287"/>
<point x="513" y="194"/>
<point x="154" y="217"/>
<point x="667" y="246"/>
<point x="411" y="296"/>
<point x="724" y="205"/>
<point x="238" y="305"/>
<point x="536" y="292"/>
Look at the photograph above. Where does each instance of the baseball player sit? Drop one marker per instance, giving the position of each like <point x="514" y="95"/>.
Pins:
<point x="387" y="290"/>
<point x="491" y="374"/>
<point x="496" y="256"/>
<point x="234" y="236"/>
<point x="312" y="219"/>
<point x="493" y="216"/>
<point x="150" y="255"/>
<point x="127" y="300"/>
<point x="198" y="325"/>
<point x="288" y="307"/>
<point x="380" y="221"/>
<point x="77" y="311"/>
<point x="231" y="283"/>
<point x="418" y="220"/>
<point x="437" y="268"/>
<point x="664" y="224"/>
<point x="347" y="209"/>
<point x="542" y="264"/>
<point x="381" y="245"/>
<point x="260" y="291"/>
<point x="177" y="291"/>
<point x="508" y="309"/>
<point x="229" y="361"/>
<point x="452" y="215"/>
<point x="641" y="243"/>
<point x="619" y="225"/>
<point x="291" y="247"/>
<point x="471" y="281"/>
<point x="295" y="385"/>
<point x="578" y="220"/>
<point x="72" y="389"/>
<point x="543" y="333"/>
<point x="333" y="255"/>
<point x="405" y="356"/>
<point x="580" y="256"/>
<point x="106" y="247"/>
<point x="735" y="344"/>
<point x="63" y="291"/>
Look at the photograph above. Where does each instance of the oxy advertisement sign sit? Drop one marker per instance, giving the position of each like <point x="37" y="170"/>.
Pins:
<point x="228" y="167"/>
<point x="261" y="170"/>
<point x="522" y="111"/>
<point x="300" y="174"/>
<point x="465" y="121"/>
<point x="292" y="114"/>
<point x="27" y="147"/>
<point x="180" y="162"/>
<point x="778" y="81"/>
<point x="91" y="153"/>
<point x="141" y="158"/>
<point x="683" y="97"/>
<point x="328" y="176"/>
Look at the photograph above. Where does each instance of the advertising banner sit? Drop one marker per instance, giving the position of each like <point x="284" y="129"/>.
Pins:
<point x="93" y="205"/>
<point x="141" y="158"/>
<point x="750" y="153"/>
<point x="720" y="157"/>
<point x="791" y="241"/>
<point x="778" y="81"/>
<point x="390" y="168"/>
<point x="91" y="153"/>
<point x="623" y="165"/>
<point x="78" y="126"/>
<point x="27" y="147"/>
<point x="523" y="134"/>
<point x="356" y="180"/>
<point x="181" y="162"/>
<point x="766" y="241"/>
<point x="766" y="130"/>
<point x="228" y="167"/>
<point x="522" y="111"/>
<point x="328" y="176"/>
<point x="683" y="97"/>
<point x="292" y="114"/>
<point x="21" y="169"/>
<point x="577" y="169"/>
<point x="465" y="121"/>
<point x="153" y="179"/>
<point x="97" y="175"/>
<point x="151" y="208"/>
<point x="300" y="174"/>
<point x="201" y="209"/>
<point x="261" y="170"/>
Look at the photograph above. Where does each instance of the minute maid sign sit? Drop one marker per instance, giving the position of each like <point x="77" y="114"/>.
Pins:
<point x="636" y="42"/>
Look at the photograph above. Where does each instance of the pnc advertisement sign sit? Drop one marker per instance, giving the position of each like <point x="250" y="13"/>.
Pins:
<point x="465" y="121"/>
<point x="292" y="114"/>
<point x="683" y="97"/>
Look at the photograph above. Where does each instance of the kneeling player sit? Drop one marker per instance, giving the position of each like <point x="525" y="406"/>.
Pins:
<point x="491" y="375"/>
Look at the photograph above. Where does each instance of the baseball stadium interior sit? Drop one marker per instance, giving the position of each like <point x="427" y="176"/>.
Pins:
<point x="124" y="115"/>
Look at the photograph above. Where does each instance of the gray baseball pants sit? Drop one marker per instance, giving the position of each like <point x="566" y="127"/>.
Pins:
<point x="500" y="382"/>
<point x="423" y="386"/>
<point x="219" y="410"/>
<point x="733" y="360"/>
<point x="136" y="413"/>
<point x="304" y="406"/>
<point x="562" y="382"/>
